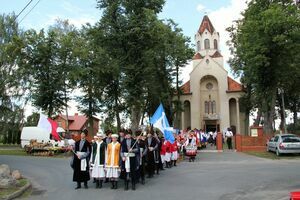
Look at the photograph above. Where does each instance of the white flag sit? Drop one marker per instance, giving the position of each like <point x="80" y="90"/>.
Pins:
<point x="44" y="123"/>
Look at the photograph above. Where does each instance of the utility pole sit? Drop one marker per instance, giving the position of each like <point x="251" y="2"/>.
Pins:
<point x="281" y="91"/>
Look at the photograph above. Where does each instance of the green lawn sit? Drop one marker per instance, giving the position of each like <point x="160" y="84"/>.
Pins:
<point x="4" y="192"/>
<point x="13" y="152"/>
<point x="273" y="156"/>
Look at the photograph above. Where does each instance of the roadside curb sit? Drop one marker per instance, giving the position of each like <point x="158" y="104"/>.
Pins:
<point x="17" y="193"/>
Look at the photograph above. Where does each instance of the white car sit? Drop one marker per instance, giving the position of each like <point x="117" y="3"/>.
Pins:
<point x="284" y="143"/>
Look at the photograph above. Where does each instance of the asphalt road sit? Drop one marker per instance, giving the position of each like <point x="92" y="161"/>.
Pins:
<point x="213" y="176"/>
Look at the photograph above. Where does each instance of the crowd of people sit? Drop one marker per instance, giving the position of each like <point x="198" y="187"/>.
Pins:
<point x="133" y="157"/>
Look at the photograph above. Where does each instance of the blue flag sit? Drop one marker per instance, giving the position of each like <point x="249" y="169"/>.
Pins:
<point x="160" y="121"/>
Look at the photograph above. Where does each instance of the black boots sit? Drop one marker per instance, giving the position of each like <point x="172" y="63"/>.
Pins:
<point x="175" y="163"/>
<point x="133" y="185"/>
<point x="86" y="185"/>
<point x="126" y="185"/>
<point x="78" y="185"/>
<point x="114" y="185"/>
<point x="99" y="183"/>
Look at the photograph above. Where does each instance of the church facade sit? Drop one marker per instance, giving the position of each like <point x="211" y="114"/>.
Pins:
<point x="210" y="98"/>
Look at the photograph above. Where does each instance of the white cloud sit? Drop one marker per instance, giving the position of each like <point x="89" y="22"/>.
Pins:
<point x="77" y="21"/>
<point x="223" y="18"/>
<point x="200" y="7"/>
<point x="67" y="6"/>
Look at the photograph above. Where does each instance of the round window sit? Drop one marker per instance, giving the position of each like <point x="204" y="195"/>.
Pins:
<point x="209" y="86"/>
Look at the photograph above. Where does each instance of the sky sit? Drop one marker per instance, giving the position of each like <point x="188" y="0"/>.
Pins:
<point x="187" y="14"/>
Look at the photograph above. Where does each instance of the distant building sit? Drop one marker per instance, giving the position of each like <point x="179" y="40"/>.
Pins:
<point x="76" y="123"/>
<point x="211" y="97"/>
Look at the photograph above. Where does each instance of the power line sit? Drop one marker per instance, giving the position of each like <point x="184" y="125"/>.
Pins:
<point x="30" y="11"/>
<point x="23" y="9"/>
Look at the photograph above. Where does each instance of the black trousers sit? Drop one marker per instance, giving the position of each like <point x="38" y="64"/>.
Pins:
<point x="229" y="143"/>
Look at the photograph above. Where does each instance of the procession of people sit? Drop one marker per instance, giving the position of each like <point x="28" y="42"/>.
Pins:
<point x="134" y="157"/>
<point x="124" y="156"/>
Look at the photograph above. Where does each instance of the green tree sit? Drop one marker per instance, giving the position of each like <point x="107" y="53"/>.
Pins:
<point x="141" y="46"/>
<point x="263" y="48"/>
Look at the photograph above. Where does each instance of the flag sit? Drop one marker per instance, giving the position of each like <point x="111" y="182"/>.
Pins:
<point x="160" y="121"/>
<point x="49" y="125"/>
<point x="44" y="123"/>
<point x="54" y="126"/>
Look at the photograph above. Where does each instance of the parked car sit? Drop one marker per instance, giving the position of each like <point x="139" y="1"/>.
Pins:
<point x="284" y="143"/>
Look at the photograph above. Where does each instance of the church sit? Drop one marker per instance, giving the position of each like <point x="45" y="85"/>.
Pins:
<point x="210" y="98"/>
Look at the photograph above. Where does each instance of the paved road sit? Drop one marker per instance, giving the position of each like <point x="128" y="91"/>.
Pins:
<point x="214" y="176"/>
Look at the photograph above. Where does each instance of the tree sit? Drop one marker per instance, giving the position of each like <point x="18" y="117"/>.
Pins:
<point x="263" y="48"/>
<point x="48" y="60"/>
<point x="91" y="59"/>
<point x="141" y="46"/>
<point x="11" y="83"/>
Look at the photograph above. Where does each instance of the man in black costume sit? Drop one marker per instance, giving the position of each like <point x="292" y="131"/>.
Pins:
<point x="81" y="161"/>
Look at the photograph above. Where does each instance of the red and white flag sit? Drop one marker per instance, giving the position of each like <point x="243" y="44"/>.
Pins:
<point x="49" y="125"/>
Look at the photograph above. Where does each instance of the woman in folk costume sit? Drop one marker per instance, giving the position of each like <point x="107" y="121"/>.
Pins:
<point x="113" y="161"/>
<point x="168" y="154"/>
<point x="130" y="165"/>
<point x="191" y="146"/>
<point x="174" y="150"/>
<point x="80" y="161"/>
<point x="163" y="150"/>
<point x="98" y="160"/>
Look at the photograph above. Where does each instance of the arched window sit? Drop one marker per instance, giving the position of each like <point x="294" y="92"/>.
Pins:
<point x="213" y="107"/>
<point x="206" y="44"/>
<point x="206" y="107"/>
<point x="215" y="44"/>
<point x="198" y="46"/>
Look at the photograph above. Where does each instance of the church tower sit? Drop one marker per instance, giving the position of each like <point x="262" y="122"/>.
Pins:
<point x="211" y="98"/>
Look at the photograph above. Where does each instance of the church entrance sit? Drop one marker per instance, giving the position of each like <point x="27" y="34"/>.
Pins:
<point x="211" y="127"/>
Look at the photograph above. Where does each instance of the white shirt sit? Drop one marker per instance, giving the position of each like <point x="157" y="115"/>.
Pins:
<point x="228" y="134"/>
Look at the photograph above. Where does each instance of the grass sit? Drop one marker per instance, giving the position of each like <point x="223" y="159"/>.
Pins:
<point x="273" y="156"/>
<point x="13" y="152"/>
<point x="4" y="192"/>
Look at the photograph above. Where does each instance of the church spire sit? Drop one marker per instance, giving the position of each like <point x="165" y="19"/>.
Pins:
<point x="206" y="24"/>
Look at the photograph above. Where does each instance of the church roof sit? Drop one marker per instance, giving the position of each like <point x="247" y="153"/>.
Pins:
<point x="234" y="86"/>
<point x="206" y="24"/>
<point x="197" y="56"/>
<point x="217" y="54"/>
<point x="186" y="88"/>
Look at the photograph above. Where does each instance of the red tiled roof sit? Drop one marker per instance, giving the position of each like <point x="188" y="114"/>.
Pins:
<point x="206" y="24"/>
<point x="197" y="56"/>
<point x="71" y="118"/>
<point x="234" y="86"/>
<point x="185" y="88"/>
<point x="217" y="54"/>
<point x="77" y="122"/>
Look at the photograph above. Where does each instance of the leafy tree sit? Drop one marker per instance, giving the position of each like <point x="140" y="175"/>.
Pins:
<point x="11" y="83"/>
<point x="263" y="48"/>
<point x="141" y="46"/>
